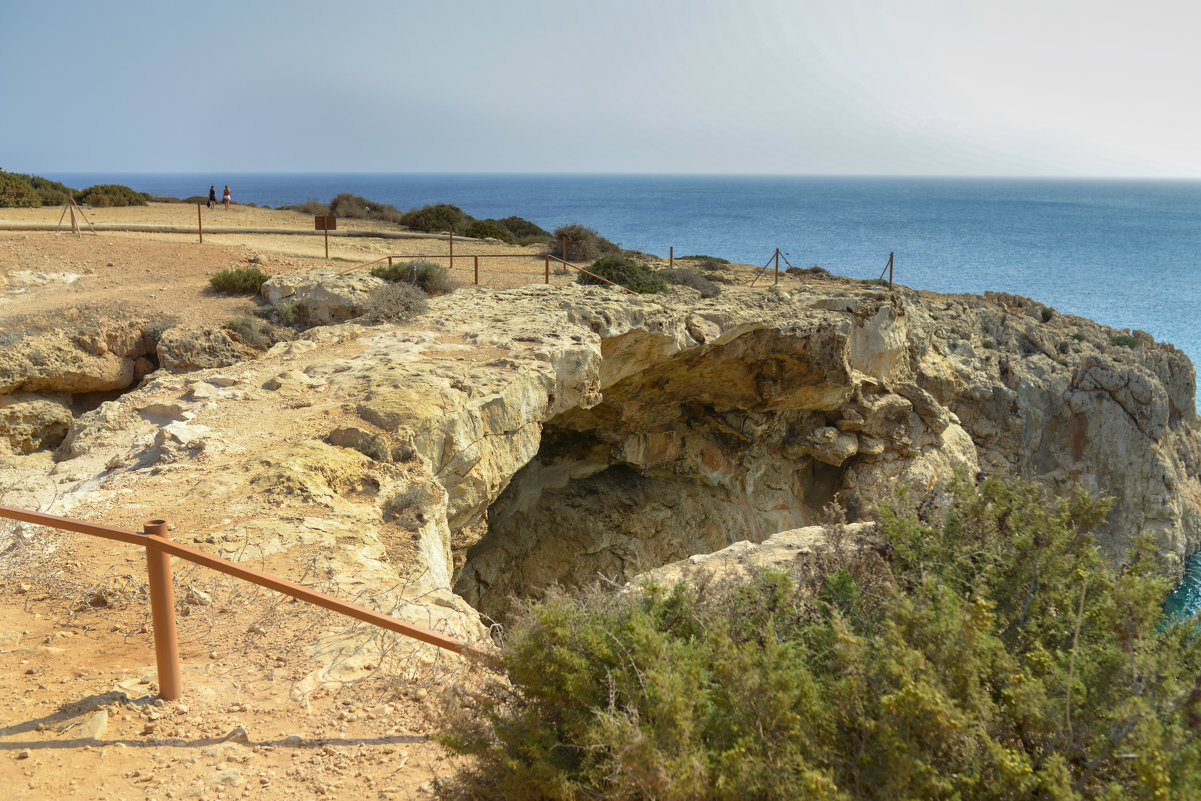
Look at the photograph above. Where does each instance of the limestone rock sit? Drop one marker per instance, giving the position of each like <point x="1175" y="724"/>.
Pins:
<point x="29" y="422"/>
<point x="187" y="347"/>
<point x="327" y="297"/>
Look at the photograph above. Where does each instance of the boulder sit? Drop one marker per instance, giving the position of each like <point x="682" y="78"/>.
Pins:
<point x="190" y="347"/>
<point x="327" y="297"/>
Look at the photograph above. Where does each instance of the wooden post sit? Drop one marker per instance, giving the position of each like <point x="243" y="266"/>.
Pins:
<point x="452" y="248"/>
<point x="326" y="230"/>
<point x="777" y="265"/>
<point x="477" y="270"/>
<point x="671" y="257"/>
<point x="890" y="270"/>
<point x="548" y="268"/>
<point x="389" y="263"/>
<point x="199" y="224"/>
<point x="162" y="613"/>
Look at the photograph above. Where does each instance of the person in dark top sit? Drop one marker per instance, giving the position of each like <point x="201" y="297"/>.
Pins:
<point x="212" y="197"/>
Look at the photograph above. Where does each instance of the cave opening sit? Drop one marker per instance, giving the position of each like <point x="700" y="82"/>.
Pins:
<point x="610" y="495"/>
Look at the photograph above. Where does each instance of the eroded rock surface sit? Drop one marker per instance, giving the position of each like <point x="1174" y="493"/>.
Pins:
<point x="509" y="439"/>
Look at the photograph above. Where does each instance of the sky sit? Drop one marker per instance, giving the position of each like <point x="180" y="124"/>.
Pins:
<point x="841" y="87"/>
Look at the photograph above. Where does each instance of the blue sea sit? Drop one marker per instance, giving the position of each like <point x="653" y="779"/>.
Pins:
<point x="1122" y="252"/>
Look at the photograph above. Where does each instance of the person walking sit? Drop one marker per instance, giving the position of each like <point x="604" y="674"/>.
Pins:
<point x="225" y="197"/>
<point x="212" y="197"/>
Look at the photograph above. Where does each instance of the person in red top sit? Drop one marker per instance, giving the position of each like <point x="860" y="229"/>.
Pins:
<point x="225" y="197"/>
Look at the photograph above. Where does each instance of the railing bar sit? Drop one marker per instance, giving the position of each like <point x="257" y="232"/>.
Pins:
<point x="249" y="574"/>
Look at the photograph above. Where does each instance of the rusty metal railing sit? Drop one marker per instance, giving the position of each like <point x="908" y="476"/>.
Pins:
<point x="546" y="257"/>
<point x="159" y="548"/>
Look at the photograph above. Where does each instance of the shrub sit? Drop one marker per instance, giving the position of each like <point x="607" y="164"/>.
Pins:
<point x="373" y="446"/>
<point x="524" y="229"/>
<point x="285" y="312"/>
<point x="1076" y="335"/>
<point x="582" y="244"/>
<point x="257" y="332"/>
<point x="393" y="302"/>
<point x="103" y="195"/>
<point x="706" y="262"/>
<point x="51" y="193"/>
<point x="1047" y="313"/>
<point x="355" y="207"/>
<point x="431" y="278"/>
<point x="438" y="217"/>
<point x="814" y="270"/>
<point x="314" y="207"/>
<point x="408" y="505"/>
<point x="625" y="271"/>
<point x="688" y="276"/>
<point x="985" y="652"/>
<point x="17" y="191"/>
<point x="1123" y="341"/>
<point x="489" y="229"/>
<point x="988" y="343"/>
<point x="244" y="280"/>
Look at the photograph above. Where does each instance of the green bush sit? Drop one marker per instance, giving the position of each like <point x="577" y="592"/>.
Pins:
<point x="525" y="230"/>
<point x="982" y="653"/>
<point x="625" y="271"/>
<point x="51" y="193"/>
<point x="438" y="217"/>
<point x="431" y="278"/>
<point x="285" y="312"/>
<point x="688" y="276"/>
<point x="355" y="207"/>
<point x="574" y="242"/>
<point x="241" y="281"/>
<point x="1123" y="341"/>
<point x="17" y="191"/>
<point x="314" y="207"/>
<point x="103" y="195"/>
<point x="257" y="332"/>
<point x="705" y="262"/>
<point x="393" y="302"/>
<point x="814" y="270"/>
<point x="489" y="229"/>
<point x="373" y="446"/>
<point x="1047" y="313"/>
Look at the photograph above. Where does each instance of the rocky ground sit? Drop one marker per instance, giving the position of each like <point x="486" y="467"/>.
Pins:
<point x="511" y="436"/>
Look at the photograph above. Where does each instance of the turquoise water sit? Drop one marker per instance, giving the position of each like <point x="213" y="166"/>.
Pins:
<point x="1123" y="253"/>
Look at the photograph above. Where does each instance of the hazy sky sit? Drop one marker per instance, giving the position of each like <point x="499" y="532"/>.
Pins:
<point x="969" y="87"/>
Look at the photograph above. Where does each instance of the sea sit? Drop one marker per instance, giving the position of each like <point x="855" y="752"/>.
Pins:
<point x="1122" y="252"/>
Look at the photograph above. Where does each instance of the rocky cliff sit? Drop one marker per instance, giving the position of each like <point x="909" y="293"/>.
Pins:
<point x="509" y="439"/>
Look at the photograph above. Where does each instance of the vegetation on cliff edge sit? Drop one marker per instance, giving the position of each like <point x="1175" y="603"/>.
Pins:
<point x="984" y="652"/>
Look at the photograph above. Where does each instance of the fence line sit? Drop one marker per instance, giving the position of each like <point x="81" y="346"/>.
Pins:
<point x="159" y="548"/>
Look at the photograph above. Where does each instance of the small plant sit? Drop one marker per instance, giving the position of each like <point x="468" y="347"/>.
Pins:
<point x="1047" y="313"/>
<point x="706" y="262"/>
<point x="1079" y="337"/>
<point x="438" y="217"/>
<point x="372" y="446"/>
<point x="1077" y="349"/>
<point x="489" y="229"/>
<point x="154" y="331"/>
<point x="988" y="343"/>
<point x="574" y="242"/>
<point x="689" y="277"/>
<point x="257" y="332"/>
<point x="407" y="507"/>
<point x="624" y="271"/>
<point x="285" y="312"/>
<point x="314" y="207"/>
<point x="239" y="282"/>
<point x="1123" y="341"/>
<point x="814" y="270"/>
<point x="433" y="279"/>
<point x="394" y="302"/>
<point x="525" y="231"/>
<point x="103" y="195"/>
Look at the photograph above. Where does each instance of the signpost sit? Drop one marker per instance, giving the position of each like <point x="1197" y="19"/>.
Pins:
<point x="326" y="223"/>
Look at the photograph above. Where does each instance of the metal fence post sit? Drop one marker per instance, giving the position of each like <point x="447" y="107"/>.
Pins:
<point x="162" y="613"/>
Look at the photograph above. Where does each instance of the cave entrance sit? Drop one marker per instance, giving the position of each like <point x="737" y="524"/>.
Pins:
<point x="609" y="496"/>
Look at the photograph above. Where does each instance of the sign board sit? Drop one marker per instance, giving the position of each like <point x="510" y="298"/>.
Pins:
<point x="328" y="223"/>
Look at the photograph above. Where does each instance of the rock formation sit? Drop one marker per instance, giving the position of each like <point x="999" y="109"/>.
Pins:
<point x="509" y="439"/>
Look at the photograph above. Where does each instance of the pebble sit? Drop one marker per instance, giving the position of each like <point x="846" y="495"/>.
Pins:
<point x="238" y="735"/>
